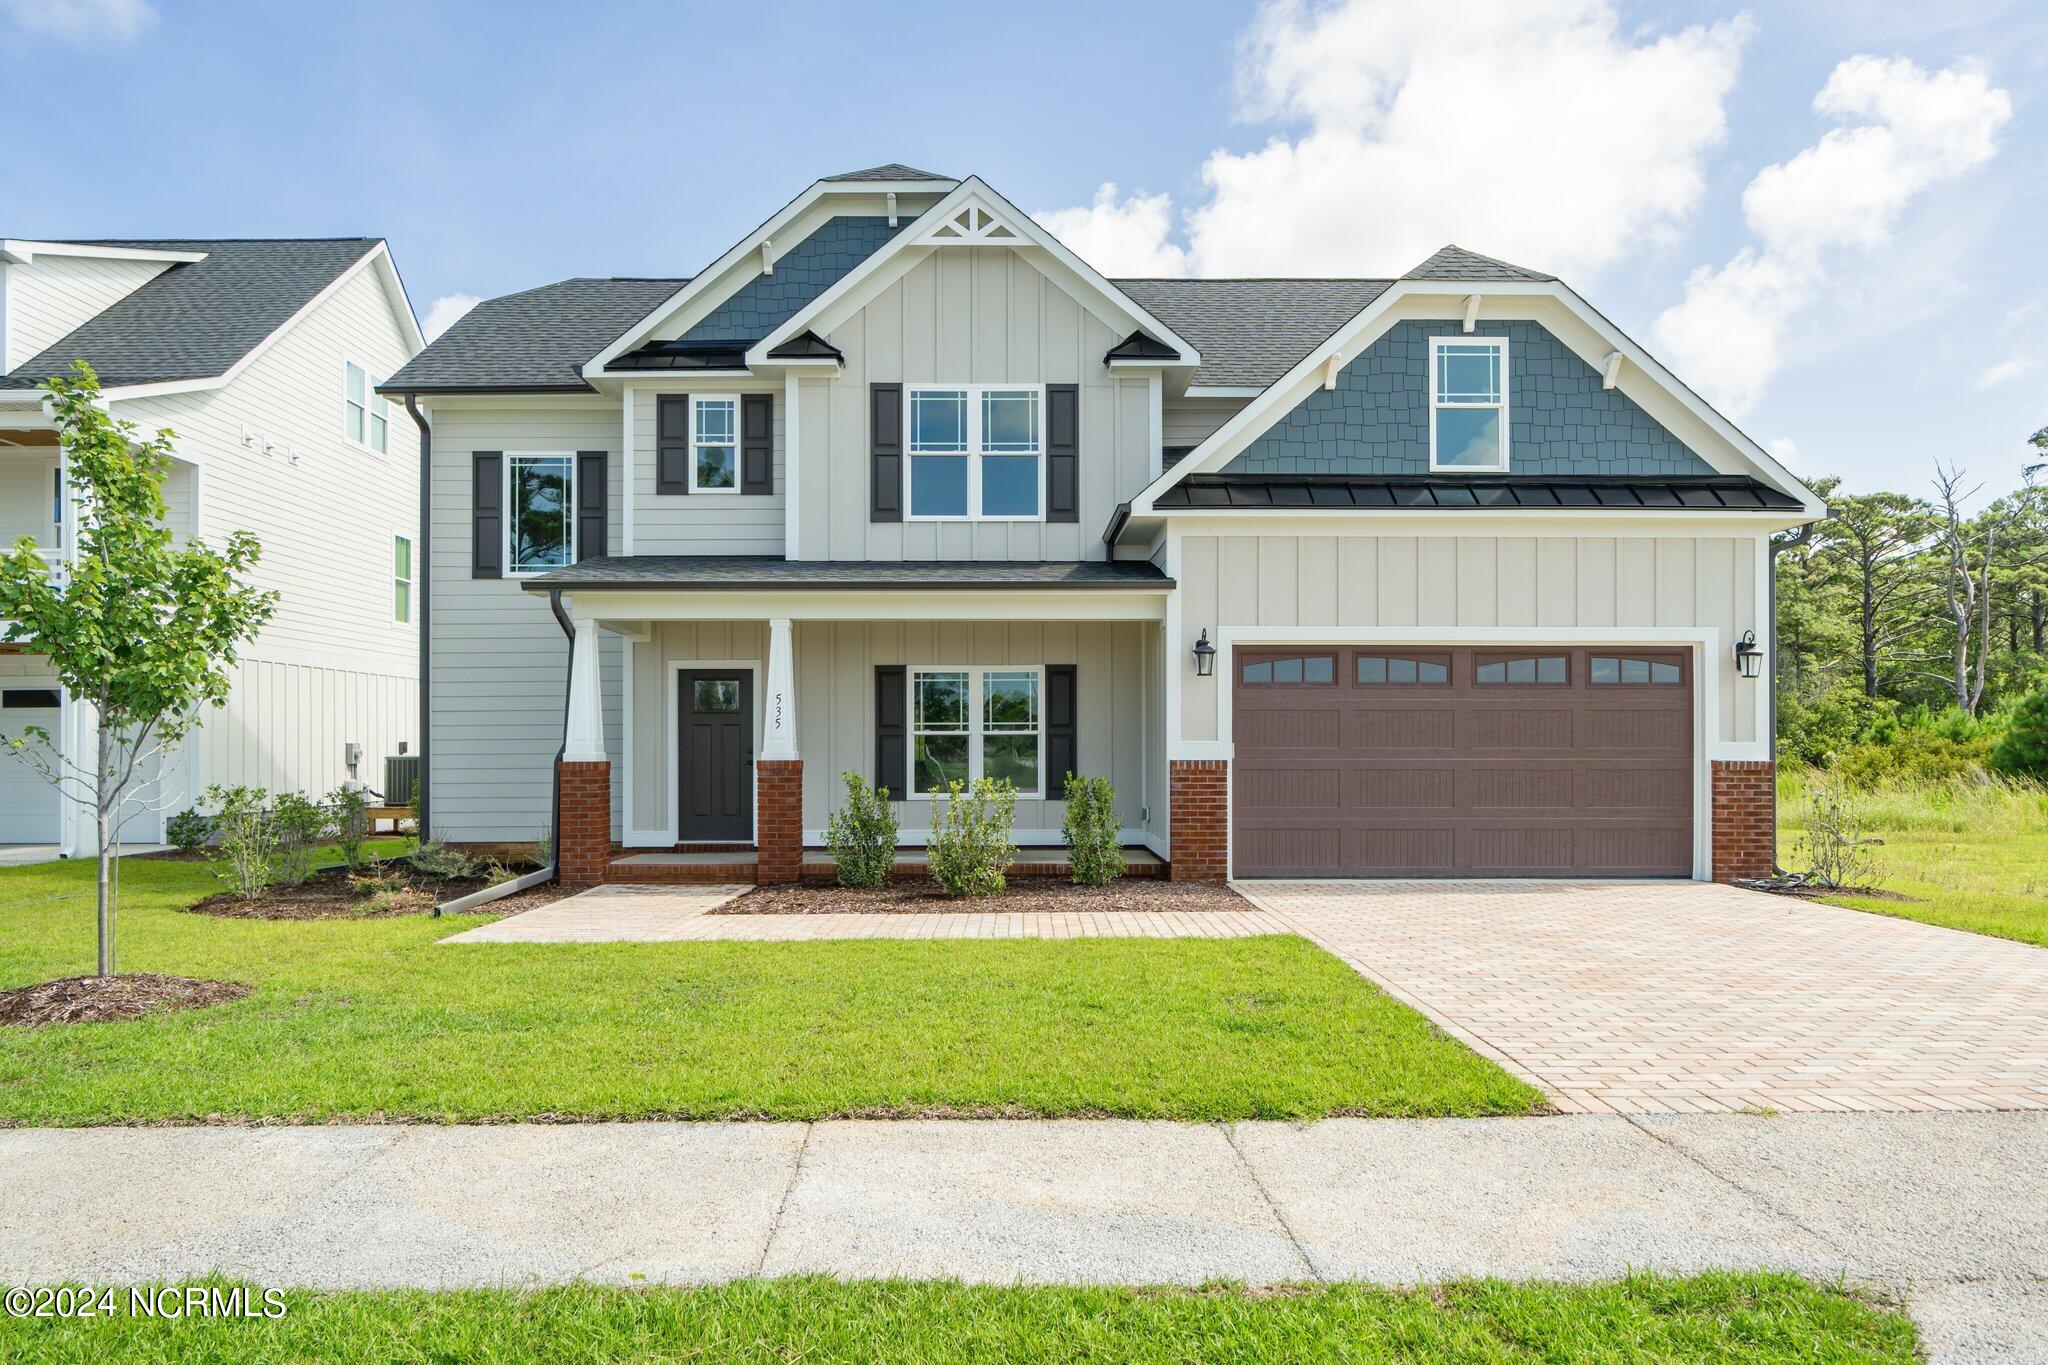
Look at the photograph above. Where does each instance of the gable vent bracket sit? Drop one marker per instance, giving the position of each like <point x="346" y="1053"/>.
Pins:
<point x="767" y="257"/>
<point x="1330" y="369"/>
<point x="892" y="208"/>
<point x="1471" y="311"/>
<point x="1611" y="372"/>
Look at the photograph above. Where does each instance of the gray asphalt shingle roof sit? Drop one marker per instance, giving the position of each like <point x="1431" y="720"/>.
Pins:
<point x="1456" y="263"/>
<point x="774" y="572"/>
<point x="895" y="170"/>
<point x="538" y="339"/>
<point x="1250" y="332"/>
<point x="197" y="319"/>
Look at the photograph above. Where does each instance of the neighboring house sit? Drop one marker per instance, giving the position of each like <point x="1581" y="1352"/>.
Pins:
<point x="1430" y="576"/>
<point x="263" y="358"/>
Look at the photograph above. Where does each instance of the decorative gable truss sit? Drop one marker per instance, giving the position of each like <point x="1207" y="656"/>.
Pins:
<point x="972" y="225"/>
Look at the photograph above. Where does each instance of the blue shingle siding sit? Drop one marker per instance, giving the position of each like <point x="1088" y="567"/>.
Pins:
<point x="802" y="273"/>
<point x="1376" y="421"/>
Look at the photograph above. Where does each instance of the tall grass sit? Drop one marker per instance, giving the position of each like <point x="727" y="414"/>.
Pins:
<point x="1978" y="804"/>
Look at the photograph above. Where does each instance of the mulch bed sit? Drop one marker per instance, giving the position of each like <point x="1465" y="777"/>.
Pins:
<point x="328" y="895"/>
<point x="924" y="897"/>
<point x="98" y="999"/>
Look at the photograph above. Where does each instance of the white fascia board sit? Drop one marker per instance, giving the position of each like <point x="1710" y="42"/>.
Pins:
<point x="20" y="251"/>
<point x="1223" y="391"/>
<point x="1372" y="321"/>
<point x="917" y="238"/>
<point x="747" y="246"/>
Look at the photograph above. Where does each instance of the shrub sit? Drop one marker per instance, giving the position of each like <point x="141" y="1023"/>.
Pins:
<point x="970" y="846"/>
<point x="1094" y="844"/>
<point x="348" y="809"/>
<point x="439" y="860"/>
<point x="1914" y="755"/>
<point x="247" y="840"/>
<point x="188" y="830"/>
<point x="399" y="899"/>
<point x="1836" y="848"/>
<point x="301" y="824"/>
<point x="1818" y="729"/>
<point x="2023" y="750"/>
<point x="862" y="834"/>
<point x="369" y="883"/>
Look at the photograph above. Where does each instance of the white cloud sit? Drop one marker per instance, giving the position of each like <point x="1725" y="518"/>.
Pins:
<point x="1783" y="449"/>
<point x="81" y="21"/>
<point x="1904" y="131"/>
<point x="444" y="311"/>
<point x="1126" y="237"/>
<point x="2002" y="371"/>
<point x="1534" y="130"/>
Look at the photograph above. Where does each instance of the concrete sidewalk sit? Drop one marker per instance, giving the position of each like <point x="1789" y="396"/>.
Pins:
<point x="1947" y="1208"/>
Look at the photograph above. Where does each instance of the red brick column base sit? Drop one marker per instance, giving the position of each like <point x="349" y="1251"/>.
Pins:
<point x="1745" y="805"/>
<point x="1200" y="819"/>
<point x="583" y="845"/>
<point x="778" y="819"/>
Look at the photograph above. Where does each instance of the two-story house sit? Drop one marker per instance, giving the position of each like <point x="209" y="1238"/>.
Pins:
<point x="263" y="358"/>
<point x="1439" y="575"/>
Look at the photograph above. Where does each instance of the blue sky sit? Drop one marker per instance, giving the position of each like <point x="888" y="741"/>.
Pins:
<point x="1878" y="299"/>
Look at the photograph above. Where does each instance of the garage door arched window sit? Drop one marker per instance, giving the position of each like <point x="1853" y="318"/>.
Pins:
<point x="1396" y="670"/>
<point x="1609" y="670"/>
<point x="1294" y="670"/>
<point x="1525" y="670"/>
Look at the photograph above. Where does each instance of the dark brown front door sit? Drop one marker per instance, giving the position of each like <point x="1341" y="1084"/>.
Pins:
<point x="1415" y="762"/>
<point x="716" y="729"/>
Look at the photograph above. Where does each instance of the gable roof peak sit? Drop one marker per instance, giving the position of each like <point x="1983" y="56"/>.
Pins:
<point x="1453" y="262"/>
<point x="894" y="170"/>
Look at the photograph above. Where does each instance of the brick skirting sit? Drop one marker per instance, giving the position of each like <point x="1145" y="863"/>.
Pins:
<point x="1200" y="812"/>
<point x="583" y="845"/>
<point x="1745" y="832"/>
<point x="779" y="819"/>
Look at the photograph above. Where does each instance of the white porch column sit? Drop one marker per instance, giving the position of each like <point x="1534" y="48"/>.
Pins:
<point x="583" y="742"/>
<point x="778" y="711"/>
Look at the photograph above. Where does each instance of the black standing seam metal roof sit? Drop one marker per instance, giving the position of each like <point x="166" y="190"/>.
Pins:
<point x="197" y="319"/>
<point x="773" y="573"/>
<point x="1718" y="493"/>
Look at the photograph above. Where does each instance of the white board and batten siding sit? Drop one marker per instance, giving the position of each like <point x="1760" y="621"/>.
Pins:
<point x="967" y="317"/>
<point x="51" y="296"/>
<point x="334" y="664"/>
<point x="1552" y="584"/>
<point x="499" y="658"/>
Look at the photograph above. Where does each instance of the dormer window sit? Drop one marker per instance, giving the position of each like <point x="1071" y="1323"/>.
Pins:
<point x="1468" y="409"/>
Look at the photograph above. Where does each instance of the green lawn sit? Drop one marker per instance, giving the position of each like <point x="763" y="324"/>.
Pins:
<point x="367" y="1018"/>
<point x="1968" y="858"/>
<point x="1753" y="1317"/>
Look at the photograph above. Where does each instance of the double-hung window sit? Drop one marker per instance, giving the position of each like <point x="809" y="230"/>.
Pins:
<point x="540" y="502"/>
<point x="976" y="452"/>
<point x="714" y="444"/>
<point x="968" y="723"/>
<point x="401" y="579"/>
<point x="366" y="417"/>
<point x="1468" y="408"/>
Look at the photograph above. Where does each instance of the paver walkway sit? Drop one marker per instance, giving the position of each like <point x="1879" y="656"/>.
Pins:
<point x="673" y="914"/>
<point x="1944" y="1208"/>
<point x="1685" y="997"/>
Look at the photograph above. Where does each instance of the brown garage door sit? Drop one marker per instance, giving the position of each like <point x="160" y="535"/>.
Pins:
<point x="1524" y="762"/>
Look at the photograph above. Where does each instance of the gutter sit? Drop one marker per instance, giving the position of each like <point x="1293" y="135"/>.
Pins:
<point x="422" y="571"/>
<point x="554" y="867"/>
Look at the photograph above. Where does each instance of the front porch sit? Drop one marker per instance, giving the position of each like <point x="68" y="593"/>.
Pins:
<point x="710" y="726"/>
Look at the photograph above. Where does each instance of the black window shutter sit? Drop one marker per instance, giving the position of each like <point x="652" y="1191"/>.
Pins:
<point x="1062" y="752"/>
<point x="592" y="537"/>
<point x="892" y="718"/>
<point x="757" y="443"/>
<point x="487" y="514"/>
<point x="1062" y="452"/>
<point x="885" y="444"/>
<point x="672" y="443"/>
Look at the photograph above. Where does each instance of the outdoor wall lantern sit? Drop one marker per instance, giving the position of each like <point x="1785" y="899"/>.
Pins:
<point x="1749" y="660"/>
<point x="1205" y="656"/>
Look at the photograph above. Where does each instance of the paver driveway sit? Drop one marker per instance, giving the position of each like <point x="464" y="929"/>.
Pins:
<point x="1683" y="997"/>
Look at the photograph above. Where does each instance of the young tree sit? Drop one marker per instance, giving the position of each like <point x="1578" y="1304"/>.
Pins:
<point x="142" y="630"/>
